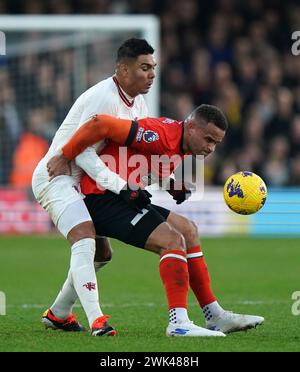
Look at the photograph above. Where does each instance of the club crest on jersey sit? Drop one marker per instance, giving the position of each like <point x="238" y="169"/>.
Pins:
<point x="139" y="134"/>
<point x="150" y="136"/>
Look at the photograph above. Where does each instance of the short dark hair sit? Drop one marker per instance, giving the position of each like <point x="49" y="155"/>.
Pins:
<point x="132" y="48"/>
<point x="211" y="114"/>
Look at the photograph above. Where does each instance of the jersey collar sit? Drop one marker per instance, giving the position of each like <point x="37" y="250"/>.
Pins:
<point x="129" y="101"/>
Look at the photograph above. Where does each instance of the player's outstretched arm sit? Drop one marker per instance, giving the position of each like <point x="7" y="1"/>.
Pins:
<point x="98" y="128"/>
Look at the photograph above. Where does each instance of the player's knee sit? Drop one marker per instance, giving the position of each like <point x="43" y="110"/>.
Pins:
<point x="190" y="230"/>
<point x="164" y="238"/>
<point x="175" y="241"/>
<point x="82" y="231"/>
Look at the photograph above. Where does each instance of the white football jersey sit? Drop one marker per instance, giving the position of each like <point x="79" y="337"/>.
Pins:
<point x="106" y="97"/>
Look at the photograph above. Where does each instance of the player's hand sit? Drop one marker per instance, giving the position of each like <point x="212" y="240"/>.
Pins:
<point x="137" y="198"/>
<point x="180" y="191"/>
<point x="58" y="165"/>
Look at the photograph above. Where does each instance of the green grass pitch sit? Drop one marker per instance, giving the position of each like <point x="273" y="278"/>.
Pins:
<point x="254" y="276"/>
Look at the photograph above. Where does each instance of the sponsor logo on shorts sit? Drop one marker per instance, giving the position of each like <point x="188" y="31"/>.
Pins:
<point x="139" y="134"/>
<point x="150" y="136"/>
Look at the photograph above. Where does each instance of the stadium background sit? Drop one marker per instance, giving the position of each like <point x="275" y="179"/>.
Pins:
<point x="229" y="53"/>
<point x="236" y="55"/>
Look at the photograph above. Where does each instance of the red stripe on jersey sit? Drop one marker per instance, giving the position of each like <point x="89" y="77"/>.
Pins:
<point x="122" y="95"/>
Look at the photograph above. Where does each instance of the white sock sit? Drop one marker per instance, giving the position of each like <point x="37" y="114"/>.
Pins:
<point x="178" y="315"/>
<point x="212" y="310"/>
<point x="84" y="277"/>
<point x="63" y="304"/>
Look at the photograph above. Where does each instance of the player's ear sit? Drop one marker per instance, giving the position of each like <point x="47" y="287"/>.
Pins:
<point x="191" y="128"/>
<point x="123" y="69"/>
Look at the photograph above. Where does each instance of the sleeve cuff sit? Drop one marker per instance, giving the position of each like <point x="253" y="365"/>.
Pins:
<point x="132" y="133"/>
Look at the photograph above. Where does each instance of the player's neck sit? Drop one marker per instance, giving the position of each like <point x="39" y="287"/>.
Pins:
<point x="125" y="88"/>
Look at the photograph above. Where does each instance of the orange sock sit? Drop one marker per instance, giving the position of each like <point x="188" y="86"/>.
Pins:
<point x="199" y="276"/>
<point x="175" y="277"/>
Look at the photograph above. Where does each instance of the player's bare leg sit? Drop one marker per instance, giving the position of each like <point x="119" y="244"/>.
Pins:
<point x="216" y="317"/>
<point x="103" y="253"/>
<point x="170" y="244"/>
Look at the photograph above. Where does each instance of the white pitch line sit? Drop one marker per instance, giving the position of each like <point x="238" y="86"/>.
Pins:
<point x="152" y="304"/>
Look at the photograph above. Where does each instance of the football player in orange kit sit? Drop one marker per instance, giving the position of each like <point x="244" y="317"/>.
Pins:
<point x="157" y="229"/>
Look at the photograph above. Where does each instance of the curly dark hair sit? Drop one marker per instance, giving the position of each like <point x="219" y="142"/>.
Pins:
<point x="211" y="114"/>
<point x="132" y="48"/>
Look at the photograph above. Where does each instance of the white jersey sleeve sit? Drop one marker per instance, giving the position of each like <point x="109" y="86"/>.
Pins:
<point x="106" y="101"/>
<point x="102" y="98"/>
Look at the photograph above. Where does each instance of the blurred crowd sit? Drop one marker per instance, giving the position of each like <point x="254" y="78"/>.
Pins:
<point x="233" y="54"/>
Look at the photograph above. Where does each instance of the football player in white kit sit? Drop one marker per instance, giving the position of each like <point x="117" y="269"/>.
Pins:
<point x="119" y="96"/>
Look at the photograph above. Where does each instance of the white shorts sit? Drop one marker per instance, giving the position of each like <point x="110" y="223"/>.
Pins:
<point x="73" y="215"/>
<point x="62" y="199"/>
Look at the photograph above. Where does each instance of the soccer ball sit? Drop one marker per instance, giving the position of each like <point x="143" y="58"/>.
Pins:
<point x="245" y="193"/>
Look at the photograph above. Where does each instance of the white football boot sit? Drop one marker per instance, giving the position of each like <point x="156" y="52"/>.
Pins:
<point x="228" y="322"/>
<point x="189" y="329"/>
